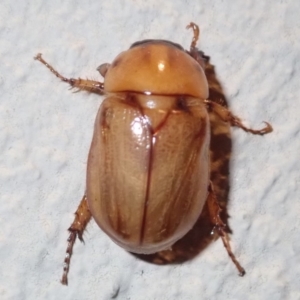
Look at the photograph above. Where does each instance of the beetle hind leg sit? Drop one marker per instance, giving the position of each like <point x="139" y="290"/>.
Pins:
<point x="227" y="116"/>
<point x="81" y="84"/>
<point x="220" y="227"/>
<point x="82" y="217"/>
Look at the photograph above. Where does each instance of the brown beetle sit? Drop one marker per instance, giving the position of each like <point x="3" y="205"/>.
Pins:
<point x="148" y="166"/>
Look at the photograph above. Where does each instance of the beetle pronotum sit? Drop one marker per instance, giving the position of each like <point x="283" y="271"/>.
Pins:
<point x="148" y="166"/>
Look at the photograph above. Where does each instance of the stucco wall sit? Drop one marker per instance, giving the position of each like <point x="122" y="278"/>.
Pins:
<point x="46" y="132"/>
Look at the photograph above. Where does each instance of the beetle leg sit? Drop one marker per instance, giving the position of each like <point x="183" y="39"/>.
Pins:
<point x="227" y="116"/>
<point x="82" y="217"/>
<point x="81" y="84"/>
<point x="194" y="51"/>
<point x="196" y="32"/>
<point x="220" y="227"/>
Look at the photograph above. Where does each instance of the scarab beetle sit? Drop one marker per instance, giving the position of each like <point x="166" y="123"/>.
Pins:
<point x="148" y="165"/>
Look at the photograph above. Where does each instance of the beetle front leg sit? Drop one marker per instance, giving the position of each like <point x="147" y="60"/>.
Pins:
<point x="227" y="116"/>
<point x="82" y="217"/>
<point x="220" y="227"/>
<point x="81" y="84"/>
<point x="196" y="32"/>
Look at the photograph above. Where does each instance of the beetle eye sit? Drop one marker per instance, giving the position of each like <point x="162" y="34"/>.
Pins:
<point x="103" y="69"/>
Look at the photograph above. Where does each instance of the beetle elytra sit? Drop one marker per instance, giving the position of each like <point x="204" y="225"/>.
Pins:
<point x="148" y="165"/>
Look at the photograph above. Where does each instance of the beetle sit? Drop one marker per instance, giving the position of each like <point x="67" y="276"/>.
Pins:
<point x="148" y="165"/>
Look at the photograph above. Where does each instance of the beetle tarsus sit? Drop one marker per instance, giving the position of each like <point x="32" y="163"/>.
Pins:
<point x="82" y="217"/>
<point x="71" y="242"/>
<point x="91" y="86"/>
<point x="198" y="55"/>
<point x="220" y="227"/>
<point x="225" y="239"/>
<point x="235" y="121"/>
<point x="39" y="58"/>
<point x="196" y="31"/>
<point x="225" y="114"/>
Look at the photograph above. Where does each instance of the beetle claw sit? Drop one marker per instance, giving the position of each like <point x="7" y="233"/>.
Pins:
<point x="267" y="129"/>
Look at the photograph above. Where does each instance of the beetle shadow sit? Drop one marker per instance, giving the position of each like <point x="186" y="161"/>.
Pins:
<point x="200" y="236"/>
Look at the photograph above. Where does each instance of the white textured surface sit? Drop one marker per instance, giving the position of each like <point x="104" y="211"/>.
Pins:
<point x="46" y="132"/>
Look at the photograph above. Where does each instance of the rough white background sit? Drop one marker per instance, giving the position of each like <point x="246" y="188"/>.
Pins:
<point x="45" y="133"/>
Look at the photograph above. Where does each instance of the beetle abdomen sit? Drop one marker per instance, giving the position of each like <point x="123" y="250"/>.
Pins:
<point x="148" y="170"/>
